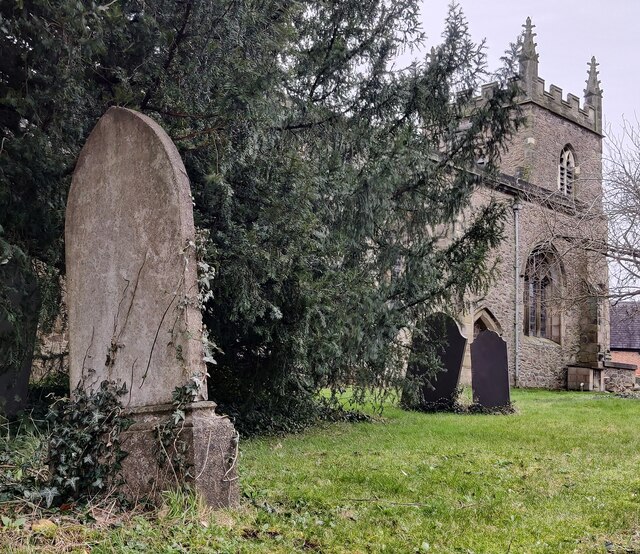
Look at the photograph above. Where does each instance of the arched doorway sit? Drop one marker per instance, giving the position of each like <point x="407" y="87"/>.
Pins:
<point x="484" y="320"/>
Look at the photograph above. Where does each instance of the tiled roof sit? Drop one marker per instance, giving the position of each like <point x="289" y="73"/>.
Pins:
<point x="625" y="326"/>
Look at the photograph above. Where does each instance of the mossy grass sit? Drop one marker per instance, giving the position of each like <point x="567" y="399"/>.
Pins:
<point x="560" y="475"/>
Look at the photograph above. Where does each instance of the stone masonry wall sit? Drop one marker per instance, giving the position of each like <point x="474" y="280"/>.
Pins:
<point x="619" y="380"/>
<point x="534" y="153"/>
<point x="581" y="378"/>
<point x="542" y="361"/>
<point x="52" y="347"/>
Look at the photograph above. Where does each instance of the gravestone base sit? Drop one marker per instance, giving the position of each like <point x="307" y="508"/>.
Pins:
<point x="211" y="455"/>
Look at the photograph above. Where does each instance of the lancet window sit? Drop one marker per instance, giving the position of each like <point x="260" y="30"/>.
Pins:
<point x="566" y="171"/>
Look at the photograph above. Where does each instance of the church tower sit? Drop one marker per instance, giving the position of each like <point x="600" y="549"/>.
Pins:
<point x="552" y="123"/>
<point x="548" y="301"/>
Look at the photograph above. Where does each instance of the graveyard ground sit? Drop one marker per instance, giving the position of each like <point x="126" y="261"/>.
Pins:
<point x="561" y="475"/>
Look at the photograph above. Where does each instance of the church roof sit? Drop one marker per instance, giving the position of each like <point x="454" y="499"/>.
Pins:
<point x="625" y="326"/>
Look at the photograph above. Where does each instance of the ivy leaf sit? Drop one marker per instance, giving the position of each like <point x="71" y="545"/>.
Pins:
<point x="49" y="493"/>
<point x="72" y="481"/>
<point x="178" y="415"/>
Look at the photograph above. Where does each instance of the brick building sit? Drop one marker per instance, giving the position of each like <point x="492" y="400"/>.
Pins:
<point x="625" y="334"/>
<point x="548" y="302"/>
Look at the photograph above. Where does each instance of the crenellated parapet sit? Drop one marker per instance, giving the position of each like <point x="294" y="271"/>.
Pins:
<point x="587" y="115"/>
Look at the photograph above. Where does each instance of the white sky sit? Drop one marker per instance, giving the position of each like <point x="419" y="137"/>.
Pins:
<point x="569" y="32"/>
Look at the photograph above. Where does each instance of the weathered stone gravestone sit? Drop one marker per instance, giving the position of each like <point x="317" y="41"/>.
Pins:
<point x="490" y="371"/>
<point x="18" y="326"/>
<point x="439" y="390"/>
<point x="132" y="301"/>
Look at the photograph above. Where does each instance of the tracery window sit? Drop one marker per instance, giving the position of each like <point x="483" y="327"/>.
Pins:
<point x="542" y="283"/>
<point x="566" y="171"/>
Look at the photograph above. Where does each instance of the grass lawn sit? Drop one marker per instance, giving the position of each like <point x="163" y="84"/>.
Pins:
<point x="561" y="475"/>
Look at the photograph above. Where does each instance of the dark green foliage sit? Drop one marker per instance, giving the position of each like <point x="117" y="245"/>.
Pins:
<point x="53" y="386"/>
<point x="19" y="310"/>
<point x="45" y="113"/>
<point x="78" y="441"/>
<point x="428" y="341"/>
<point x="324" y="176"/>
<point x="84" y="448"/>
<point x="293" y="413"/>
<point x="19" y="305"/>
<point x="326" y="240"/>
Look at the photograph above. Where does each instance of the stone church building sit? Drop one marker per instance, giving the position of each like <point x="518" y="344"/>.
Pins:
<point x="548" y="303"/>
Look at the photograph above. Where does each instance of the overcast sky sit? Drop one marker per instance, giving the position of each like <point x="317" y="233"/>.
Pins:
<point x="569" y="32"/>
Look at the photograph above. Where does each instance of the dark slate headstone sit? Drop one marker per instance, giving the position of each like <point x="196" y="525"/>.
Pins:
<point x="17" y="338"/>
<point x="490" y="371"/>
<point x="439" y="390"/>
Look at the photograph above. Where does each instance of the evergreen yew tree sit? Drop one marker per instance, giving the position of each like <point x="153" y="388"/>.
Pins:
<point x="322" y="174"/>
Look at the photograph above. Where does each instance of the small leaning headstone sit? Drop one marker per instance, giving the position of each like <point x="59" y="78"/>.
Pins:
<point x="439" y="391"/>
<point x="490" y="371"/>
<point x="132" y="301"/>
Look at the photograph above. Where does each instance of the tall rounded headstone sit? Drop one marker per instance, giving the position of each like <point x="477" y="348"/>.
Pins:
<point x="131" y="269"/>
<point x="132" y="300"/>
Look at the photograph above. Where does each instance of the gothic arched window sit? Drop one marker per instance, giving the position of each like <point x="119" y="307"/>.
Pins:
<point x="566" y="171"/>
<point x="541" y="287"/>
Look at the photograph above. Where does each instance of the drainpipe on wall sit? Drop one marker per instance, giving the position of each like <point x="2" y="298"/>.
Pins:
<point x="516" y="300"/>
